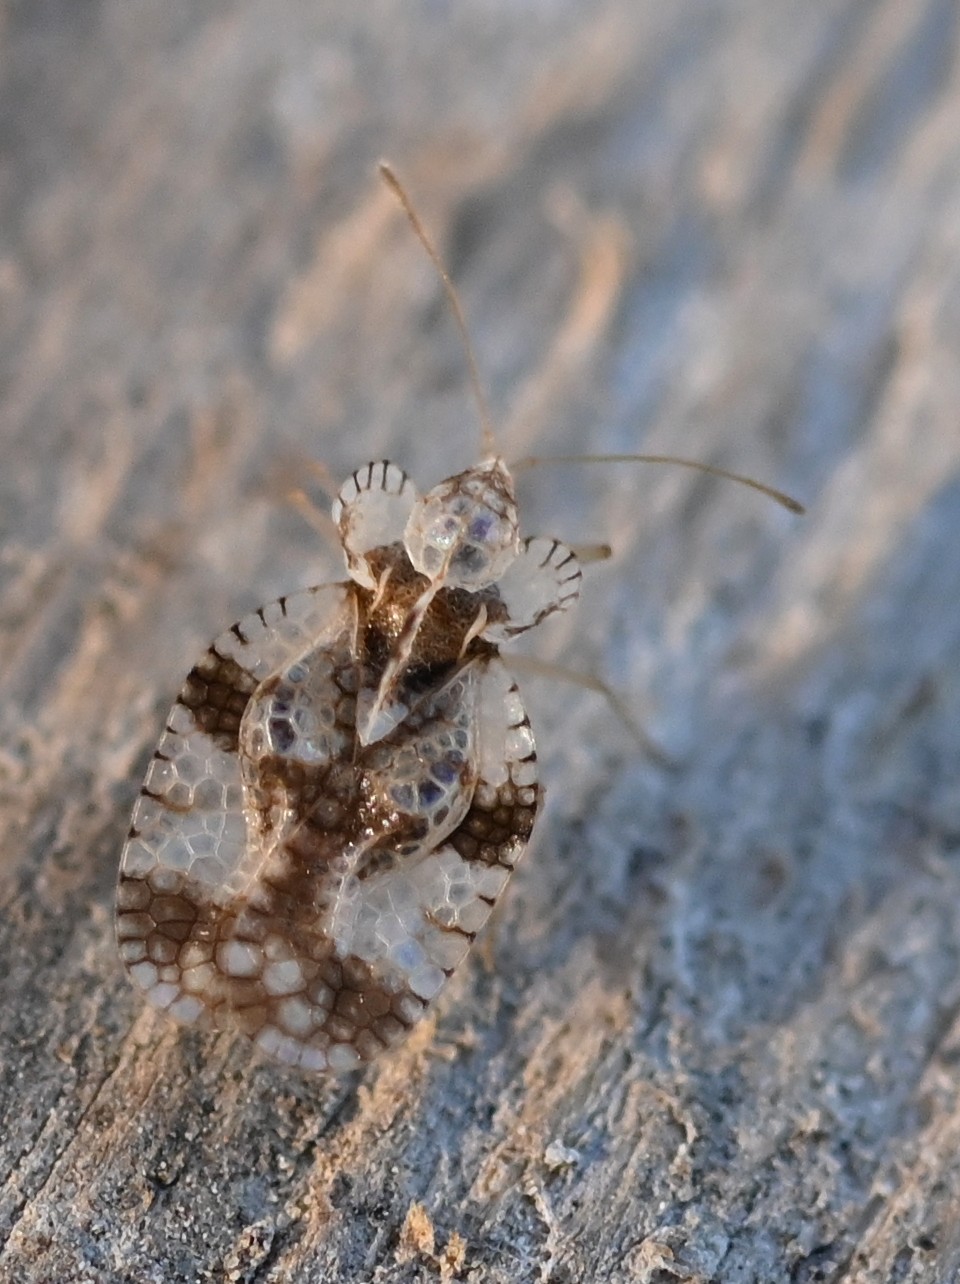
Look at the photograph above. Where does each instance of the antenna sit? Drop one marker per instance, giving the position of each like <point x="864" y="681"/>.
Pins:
<point x="779" y="496"/>
<point x="488" y="440"/>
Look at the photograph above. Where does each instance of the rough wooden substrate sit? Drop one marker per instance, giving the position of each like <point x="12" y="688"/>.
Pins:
<point x="715" y="1038"/>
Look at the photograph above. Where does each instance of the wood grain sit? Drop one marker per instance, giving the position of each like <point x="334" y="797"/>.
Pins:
<point x="715" y="1036"/>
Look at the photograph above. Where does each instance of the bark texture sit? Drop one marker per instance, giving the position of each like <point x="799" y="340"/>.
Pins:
<point x="716" y="1033"/>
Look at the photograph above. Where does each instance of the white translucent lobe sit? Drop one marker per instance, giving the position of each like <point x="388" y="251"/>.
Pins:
<point x="465" y="531"/>
<point x="371" y="511"/>
<point x="544" y="578"/>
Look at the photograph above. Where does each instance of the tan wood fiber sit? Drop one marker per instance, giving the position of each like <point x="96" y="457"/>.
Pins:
<point x="713" y="1034"/>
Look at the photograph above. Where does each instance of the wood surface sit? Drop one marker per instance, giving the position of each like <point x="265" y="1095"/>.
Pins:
<point x="715" y="1035"/>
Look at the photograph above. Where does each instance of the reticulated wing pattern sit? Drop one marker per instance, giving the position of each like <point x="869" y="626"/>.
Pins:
<point x="188" y="854"/>
<point x="314" y="893"/>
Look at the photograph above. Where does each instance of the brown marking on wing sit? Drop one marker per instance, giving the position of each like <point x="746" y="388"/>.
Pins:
<point x="183" y="936"/>
<point x="495" y="830"/>
<point x="181" y="809"/>
<point x="216" y="692"/>
<point x="491" y="834"/>
<point x="451" y="929"/>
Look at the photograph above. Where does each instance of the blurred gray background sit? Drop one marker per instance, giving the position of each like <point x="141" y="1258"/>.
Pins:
<point x="714" y="1035"/>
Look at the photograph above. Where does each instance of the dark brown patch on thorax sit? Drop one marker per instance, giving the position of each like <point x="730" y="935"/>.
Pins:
<point x="448" y="619"/>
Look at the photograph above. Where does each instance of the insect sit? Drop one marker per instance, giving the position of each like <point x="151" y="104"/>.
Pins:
<point x="348" y="776"/>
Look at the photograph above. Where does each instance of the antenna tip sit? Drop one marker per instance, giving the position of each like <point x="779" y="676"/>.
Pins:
<point x="386" y="172"/>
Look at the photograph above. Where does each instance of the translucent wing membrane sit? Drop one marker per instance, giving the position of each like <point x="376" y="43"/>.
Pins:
<point x="281" y="878"/>
<point x="189" y="850"/>
<point x="189" y="816"/>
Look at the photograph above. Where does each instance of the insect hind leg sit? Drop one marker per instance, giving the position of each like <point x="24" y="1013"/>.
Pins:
<point x="589" y="682"/>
